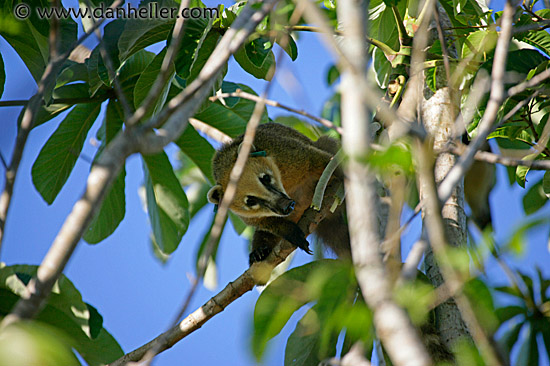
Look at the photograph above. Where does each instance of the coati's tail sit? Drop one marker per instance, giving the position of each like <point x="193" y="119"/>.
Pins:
<point x="333" y="232"/>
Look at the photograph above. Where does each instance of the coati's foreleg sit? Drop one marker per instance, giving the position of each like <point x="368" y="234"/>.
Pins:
<point x="271" y="231"/>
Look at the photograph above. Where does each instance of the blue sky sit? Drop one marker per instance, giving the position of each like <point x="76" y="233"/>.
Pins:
<point x="136" y="295"/>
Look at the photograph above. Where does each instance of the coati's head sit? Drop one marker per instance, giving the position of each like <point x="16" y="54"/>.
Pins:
<point x="260" y="191"/>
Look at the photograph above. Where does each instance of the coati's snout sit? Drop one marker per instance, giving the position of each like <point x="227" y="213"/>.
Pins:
<point x="260" y="192"/>
<point x="285" y="205"/>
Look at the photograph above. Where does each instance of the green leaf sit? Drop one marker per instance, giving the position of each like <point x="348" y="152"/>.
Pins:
<point x="431" y="80"/>
<point x="528" y="352"/>
<point x="47" y="112"/>
<point x="396" y="156"/>
<point x="546" y="184"/>
<point x="30" y="40"/>
<point x="198" y="150"/>
<point x="332" y="75"/>
<point x="546" y="338"/>
<point x="321" y="280"/>
<point x="302" y="346"/>
<point x="257" y="58"/>
<point x="232" y="117"/>
<point x="66" y="311"/>
<point x="2" y="75"/>
<point x="517" y="242"/>
<point x="482" y="303"/>
<point x="197" y="33"/>
<point x="71" y="72"/>
<point x="382" y="68"/>
<point x="140" y="33"/>
<point x="207" y="44"/>
<point x="521" y="174"/>
<point x="237" y="222"/>
<point x="31" y="46"/>
<point x="43" y="344"/>
<point x="479" y="45"/>
<point x="508" y="312"/>
<point x="534" y="199"/>
<point x="146" y="81"/>
<point x="93" y="75"/>
<point x="510" y="336"/>
<point x="57" y="158"/>
<point x="131" y="71"/>
<point x="305" y="128"/>
<point x="167" y="203"/>
<point x="113" y="208"/>
<point x="111" y="35"/>
<point x="288" y="44"/>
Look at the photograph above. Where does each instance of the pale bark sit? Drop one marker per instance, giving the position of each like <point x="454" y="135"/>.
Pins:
<point x="394" y="328"/>
<point x="438" y="116"/>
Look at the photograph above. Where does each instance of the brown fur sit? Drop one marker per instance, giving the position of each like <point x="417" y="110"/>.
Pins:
<point x="296" y="164"/>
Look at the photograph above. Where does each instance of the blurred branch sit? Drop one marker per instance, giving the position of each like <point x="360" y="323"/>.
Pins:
<point x="241" y="94"/>
<point x="110" y="162"/>
<point x="393" y="326"/>
<point x="27" y="122"/>
<point x="438" y="241"/>
<point x="210" y="131"/>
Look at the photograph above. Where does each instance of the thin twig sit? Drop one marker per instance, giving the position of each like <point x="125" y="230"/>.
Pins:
<point x="241" y="94"/>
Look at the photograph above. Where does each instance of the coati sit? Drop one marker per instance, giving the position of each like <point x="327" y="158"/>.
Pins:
<point x="275" y="190"/>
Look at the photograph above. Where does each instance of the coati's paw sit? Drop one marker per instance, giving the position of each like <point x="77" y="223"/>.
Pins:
<point x="259" y="254"/>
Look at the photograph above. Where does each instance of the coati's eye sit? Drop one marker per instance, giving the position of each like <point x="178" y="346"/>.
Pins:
<point x="251" y="201"/>
<point x="265" y="179"/>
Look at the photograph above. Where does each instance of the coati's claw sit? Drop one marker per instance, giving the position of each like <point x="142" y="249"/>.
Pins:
<point x="259" y="254"/>
<point x="305" y="247"/>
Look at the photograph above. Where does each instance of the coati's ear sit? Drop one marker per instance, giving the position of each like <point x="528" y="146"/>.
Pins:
<point x="215" y="194"/>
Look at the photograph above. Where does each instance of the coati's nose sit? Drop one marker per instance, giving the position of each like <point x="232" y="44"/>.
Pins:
<point x="288" y="209"/>
<point x="285" y="205"/>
